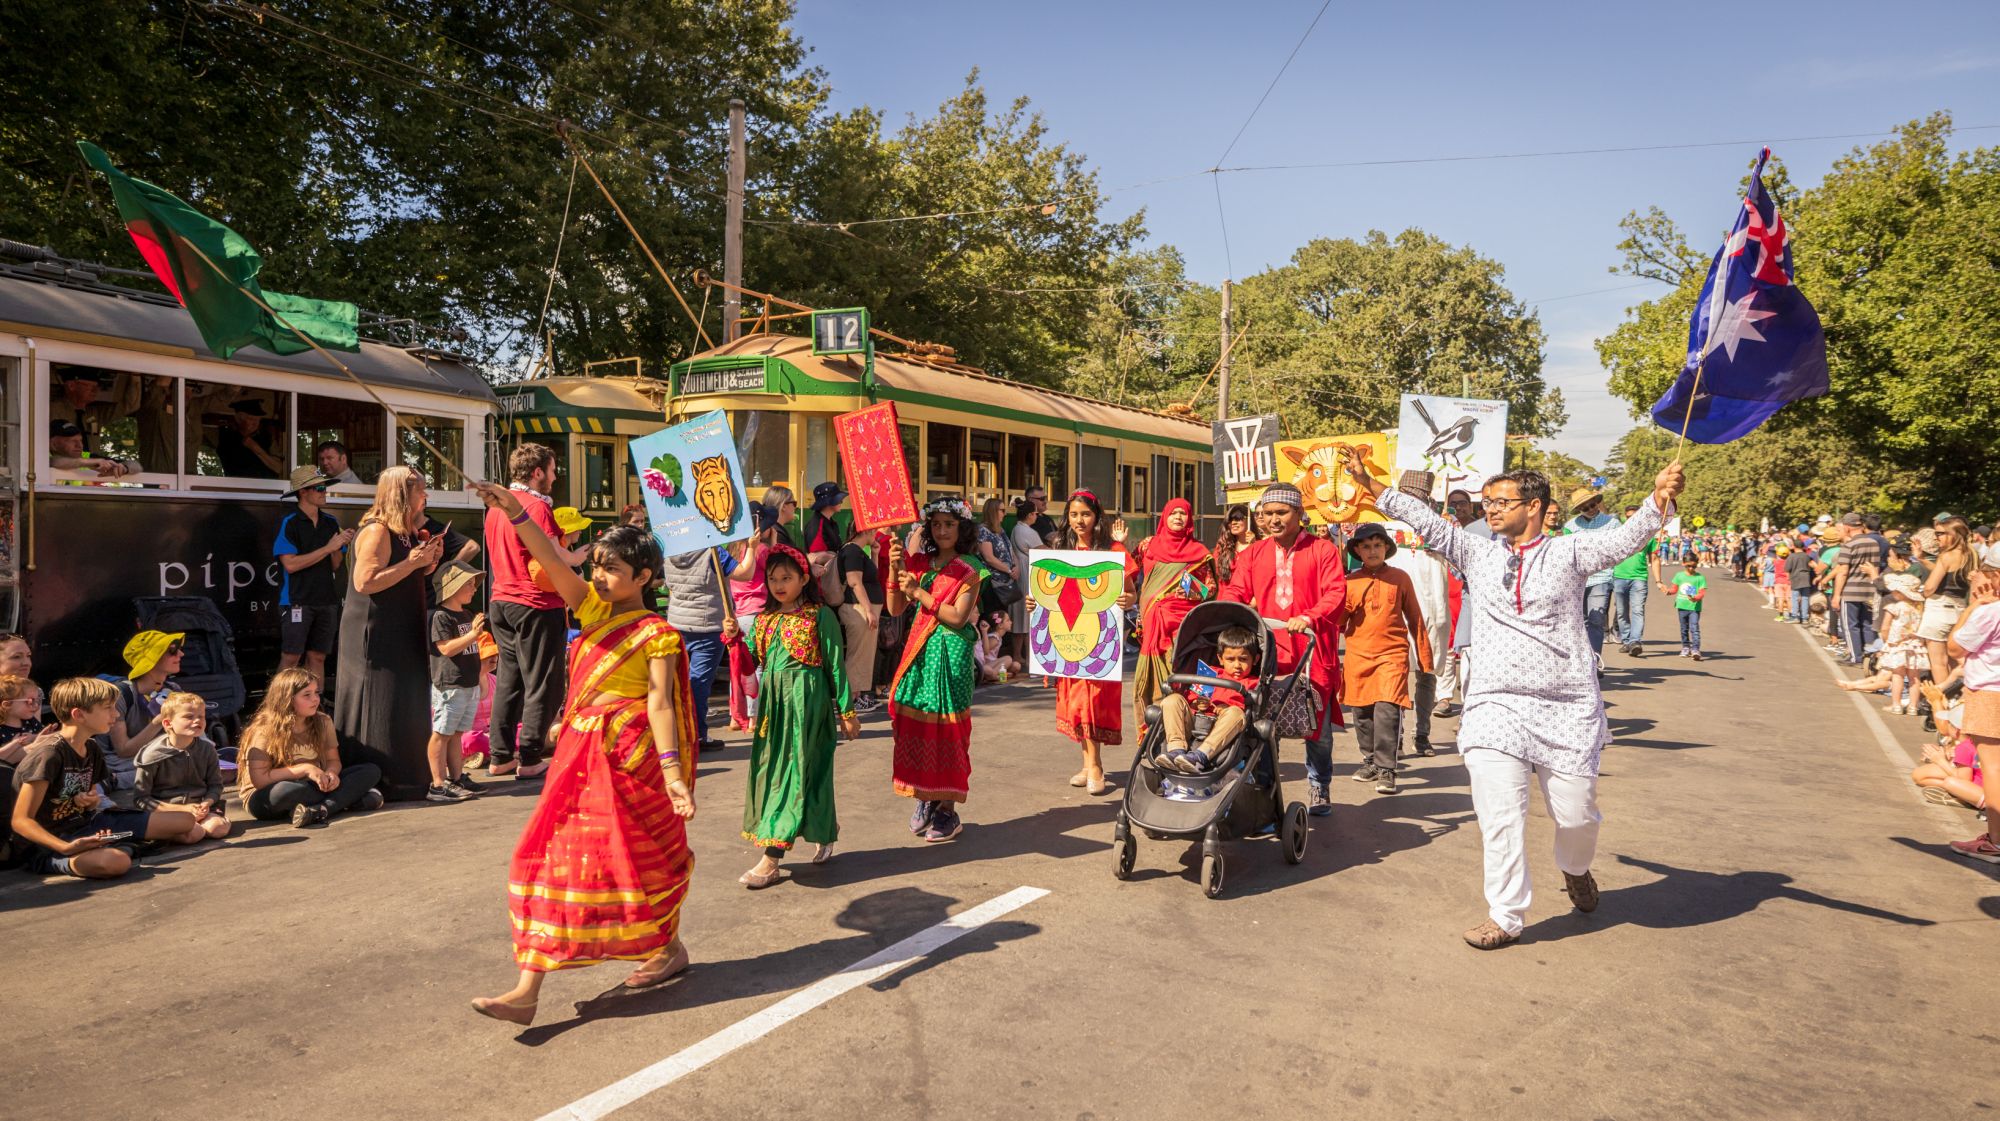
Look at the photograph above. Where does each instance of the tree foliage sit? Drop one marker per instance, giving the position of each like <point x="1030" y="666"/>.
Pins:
<point x="1895" y="249"/>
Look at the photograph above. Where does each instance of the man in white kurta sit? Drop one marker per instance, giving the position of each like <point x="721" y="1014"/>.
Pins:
<point x="1433" y="587"/>
<point x="1532" y="707"/>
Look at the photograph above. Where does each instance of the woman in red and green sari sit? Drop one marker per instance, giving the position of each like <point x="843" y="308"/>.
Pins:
<point x="930" y="701"/>
<point x="1176" y="572"/>
<point x="602" y="867"/>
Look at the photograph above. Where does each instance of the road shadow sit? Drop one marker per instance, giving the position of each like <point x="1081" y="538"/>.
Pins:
<point x="878" y="920"/>
<point x="1622" y="726"/>
<point x="1944" y="853"/>
<point x="1685" y="897"/>
<point x="1044" y="833"/>
<point x="1657" y="745"/>
<point x="29" y="892"/>
<point x="1640" y="677"/>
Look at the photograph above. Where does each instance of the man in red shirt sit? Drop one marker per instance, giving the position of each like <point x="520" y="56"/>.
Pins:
<point x="527" y="624"/>
<point x="1299" y="577"/>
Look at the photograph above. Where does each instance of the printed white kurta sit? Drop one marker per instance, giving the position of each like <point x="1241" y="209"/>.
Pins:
<point x="1532" y="691"/>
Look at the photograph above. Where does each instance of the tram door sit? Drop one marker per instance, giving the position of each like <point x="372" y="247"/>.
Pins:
<point x="12" y="449"/>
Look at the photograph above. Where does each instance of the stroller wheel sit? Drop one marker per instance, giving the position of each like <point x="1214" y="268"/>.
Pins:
<point x="1128" y="852"/>
<point x="1211" y="874"/>
<point x="1294" y="832"/>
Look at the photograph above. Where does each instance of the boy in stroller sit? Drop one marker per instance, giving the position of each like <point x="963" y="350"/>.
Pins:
<point x="1186" y="709"/>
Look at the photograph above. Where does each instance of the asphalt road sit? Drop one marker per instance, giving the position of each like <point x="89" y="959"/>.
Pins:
<point x="1779" y="937"/>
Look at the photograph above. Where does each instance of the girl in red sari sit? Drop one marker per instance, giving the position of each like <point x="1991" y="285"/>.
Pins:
<point x="602" y="867"/>
<point x="1091" y="712"/>
<point x="1175" y="573"/>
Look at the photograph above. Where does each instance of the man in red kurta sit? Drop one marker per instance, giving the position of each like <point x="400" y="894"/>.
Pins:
<point x="1300" y="578"/>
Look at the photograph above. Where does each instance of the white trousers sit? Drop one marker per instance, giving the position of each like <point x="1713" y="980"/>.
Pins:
<point x="1500" y="798"/>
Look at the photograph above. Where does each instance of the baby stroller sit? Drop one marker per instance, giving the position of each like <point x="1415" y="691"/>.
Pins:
<point x="1239" y="795"/>
<point x="208" y="657"/>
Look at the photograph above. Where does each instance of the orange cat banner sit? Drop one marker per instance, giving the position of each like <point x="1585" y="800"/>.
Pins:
<point x="871" y="457"/>
<point x="1332" y="498"/>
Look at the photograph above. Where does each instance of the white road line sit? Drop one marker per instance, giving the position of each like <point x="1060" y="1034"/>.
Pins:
<point x="631" y="1088"/>
<point x="1952" y="823"/>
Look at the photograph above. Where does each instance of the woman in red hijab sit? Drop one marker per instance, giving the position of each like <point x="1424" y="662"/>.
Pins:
<point x="1175" y="572"/>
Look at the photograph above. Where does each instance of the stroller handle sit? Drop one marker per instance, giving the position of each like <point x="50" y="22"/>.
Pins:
<point x="1203" y="679"/>
<point x="1312" y="641"/>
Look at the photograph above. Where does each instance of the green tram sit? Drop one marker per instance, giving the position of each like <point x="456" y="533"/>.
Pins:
<point x="964" y="432"/>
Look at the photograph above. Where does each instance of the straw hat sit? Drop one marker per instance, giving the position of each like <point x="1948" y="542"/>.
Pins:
<point x="1582" y="495"/>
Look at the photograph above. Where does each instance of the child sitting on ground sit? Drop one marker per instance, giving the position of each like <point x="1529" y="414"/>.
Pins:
<point x="179" y="768"/>
<point x="1184" y="708"/>
<point x="61" y="824"/>
<point x="994" y="666"/>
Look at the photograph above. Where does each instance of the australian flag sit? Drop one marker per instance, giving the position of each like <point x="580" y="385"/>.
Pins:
<point x="1754" y="341"/>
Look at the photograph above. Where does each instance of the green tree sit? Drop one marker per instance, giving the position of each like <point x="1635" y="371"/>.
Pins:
<point x="1892" y="248"/>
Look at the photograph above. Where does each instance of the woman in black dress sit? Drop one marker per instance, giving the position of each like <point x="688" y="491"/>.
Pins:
<point x="381" y="709"/>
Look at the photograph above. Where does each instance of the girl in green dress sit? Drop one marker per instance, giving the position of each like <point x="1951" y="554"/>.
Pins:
<point x="803" y="705"/>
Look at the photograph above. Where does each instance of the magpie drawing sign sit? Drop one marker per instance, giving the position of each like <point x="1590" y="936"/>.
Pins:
<point x="1245" y="452"/>
<point x="1461" y="441"/>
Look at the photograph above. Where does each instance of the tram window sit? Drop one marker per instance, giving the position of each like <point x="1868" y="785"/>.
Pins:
<point x="820" y="466"/>
<point x="1133" y="501"/>
<point x="1055" y="471"/>
<point x="236" y="432"/>
<point x="446" y="434"/>
<point x="123" y="415"/>
<point x="985" y="459"/>
<point x="912" y="436"/>
<point x="1023" y="453"/>
<point x="763" y="442"/>
<point x="945" y="465"/>
<point x="597" y="486"/>
<point x="1097" y="470"/>
<point x="355" y="425"/>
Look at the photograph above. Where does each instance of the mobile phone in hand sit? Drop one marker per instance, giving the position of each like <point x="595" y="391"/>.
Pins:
<point x="124" y="836"/>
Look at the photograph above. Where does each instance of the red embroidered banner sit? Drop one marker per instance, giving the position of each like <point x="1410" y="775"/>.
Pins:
<point x="878" y="480"/>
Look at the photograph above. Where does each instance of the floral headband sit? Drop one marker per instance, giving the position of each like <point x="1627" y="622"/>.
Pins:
<point x="948" y="505"/>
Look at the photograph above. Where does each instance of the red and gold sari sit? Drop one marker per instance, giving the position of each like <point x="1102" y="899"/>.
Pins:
<point x="602" y="867"/>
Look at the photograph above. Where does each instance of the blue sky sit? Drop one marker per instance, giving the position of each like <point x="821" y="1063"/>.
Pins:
<point x="1148" y="90"/>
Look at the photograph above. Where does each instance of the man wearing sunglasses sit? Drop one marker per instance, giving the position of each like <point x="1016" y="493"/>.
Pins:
<point x="1532" y="707"/>
<point x="310" y="548"/>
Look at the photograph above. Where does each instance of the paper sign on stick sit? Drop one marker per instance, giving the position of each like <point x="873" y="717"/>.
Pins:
<point x="693" y="484"/>
<point x="871" y="454"/>
<point x="1075" y="626"/>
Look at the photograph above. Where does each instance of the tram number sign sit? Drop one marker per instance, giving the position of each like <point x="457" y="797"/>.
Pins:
<point x="840" y="331"/>
<point x="1245" y="452"/>
<point x="730" y="379"/>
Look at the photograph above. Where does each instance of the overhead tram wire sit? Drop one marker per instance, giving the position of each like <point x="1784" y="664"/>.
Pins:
<point x="1244" y="127"/>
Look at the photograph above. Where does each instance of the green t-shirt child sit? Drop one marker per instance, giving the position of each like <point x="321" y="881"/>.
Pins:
<point x="1689" y="589"/>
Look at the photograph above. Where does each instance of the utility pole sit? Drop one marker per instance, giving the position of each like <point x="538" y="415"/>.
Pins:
<point x="732" y="230"/>
<point x="1222" y="372"/>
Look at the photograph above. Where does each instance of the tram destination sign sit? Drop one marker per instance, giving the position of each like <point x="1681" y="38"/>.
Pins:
<point x="729" y="379"/>
<point x="840" y="331"/>
<point x="1245" y="452"/>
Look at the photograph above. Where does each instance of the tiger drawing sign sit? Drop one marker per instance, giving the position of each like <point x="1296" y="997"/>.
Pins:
<point x="693" y="484"/>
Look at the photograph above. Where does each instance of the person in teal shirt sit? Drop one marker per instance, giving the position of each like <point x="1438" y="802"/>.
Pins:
<point x="1689" y="588"/>
<point x="1629" y="580"/>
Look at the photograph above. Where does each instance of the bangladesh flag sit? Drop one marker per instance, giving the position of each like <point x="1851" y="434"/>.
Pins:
<point x="168" y="232"/>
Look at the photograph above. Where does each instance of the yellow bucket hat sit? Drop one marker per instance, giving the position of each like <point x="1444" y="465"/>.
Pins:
<point x="570" y="520"/>
<point x="147" y="648"/>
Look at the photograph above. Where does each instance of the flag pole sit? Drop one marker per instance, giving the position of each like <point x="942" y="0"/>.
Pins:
<point x="1693" y="389"/>
<point x="323" y="353"/>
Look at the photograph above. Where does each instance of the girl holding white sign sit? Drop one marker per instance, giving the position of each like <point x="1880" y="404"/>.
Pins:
<point x="1091" y="713"/>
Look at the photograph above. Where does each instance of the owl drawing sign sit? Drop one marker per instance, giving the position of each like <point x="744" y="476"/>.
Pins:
<point x="692" y="480"/>
<point x="1075" y="626"/>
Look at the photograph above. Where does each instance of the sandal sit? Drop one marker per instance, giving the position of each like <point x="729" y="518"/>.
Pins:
<point x="822" y="854"/>
<point x="1488" y="936"/>
<point x="522" y="1014"/>
<point x="755" y="880"/>
<point x="1098" y="788"/>
<point x="645" y="977"/>
<point x="1079" y="779"/>
<point x="1940" y="796"/>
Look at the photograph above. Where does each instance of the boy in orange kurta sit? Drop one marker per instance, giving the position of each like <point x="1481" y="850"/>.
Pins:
<point x="1382" y="621"/>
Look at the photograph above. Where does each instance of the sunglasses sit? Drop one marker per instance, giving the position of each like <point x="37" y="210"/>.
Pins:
<point x="320" y="488"/>
<point x="172" y="648"/>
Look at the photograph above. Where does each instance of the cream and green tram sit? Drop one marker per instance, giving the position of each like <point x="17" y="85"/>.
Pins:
<point x="964" y="433"/>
